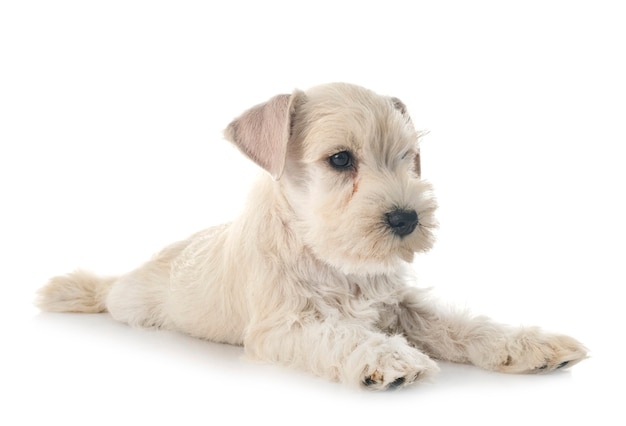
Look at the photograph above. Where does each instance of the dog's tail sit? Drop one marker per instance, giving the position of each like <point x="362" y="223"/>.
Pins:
<point x="79" y="291"/>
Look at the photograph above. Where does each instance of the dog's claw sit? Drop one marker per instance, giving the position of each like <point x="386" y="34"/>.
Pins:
<point x="396" y="383"/>
<point x="369" y="381"/>
<point x="563" y="364"/>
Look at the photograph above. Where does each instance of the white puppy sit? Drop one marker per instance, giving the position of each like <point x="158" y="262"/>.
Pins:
<point x="315" y="273"/>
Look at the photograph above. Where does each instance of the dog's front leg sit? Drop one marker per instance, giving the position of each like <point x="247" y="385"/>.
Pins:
<point x="339" y="351"/>
<point x="460" y="337"/>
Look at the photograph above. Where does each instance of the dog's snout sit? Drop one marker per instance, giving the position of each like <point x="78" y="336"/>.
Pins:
<point x="402" y="222"/>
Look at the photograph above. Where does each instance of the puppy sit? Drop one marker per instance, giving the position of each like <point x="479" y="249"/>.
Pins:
<point x="315" y="273"/>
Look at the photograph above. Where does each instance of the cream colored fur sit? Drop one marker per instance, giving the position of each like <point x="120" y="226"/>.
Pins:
<point x="311" y="274"/>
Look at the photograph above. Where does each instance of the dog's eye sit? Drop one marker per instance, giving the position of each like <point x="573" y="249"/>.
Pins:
<point x="341" y="161"/>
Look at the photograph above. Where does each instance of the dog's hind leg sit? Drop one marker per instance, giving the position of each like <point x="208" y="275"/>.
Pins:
<point x="138" y="298"/>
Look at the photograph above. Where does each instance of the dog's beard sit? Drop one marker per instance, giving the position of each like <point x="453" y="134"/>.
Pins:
<point x="375" y="252"/>
<point x="355" y="238"/>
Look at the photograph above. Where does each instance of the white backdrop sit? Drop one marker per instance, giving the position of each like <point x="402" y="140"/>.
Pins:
<point x="110" y="129"/>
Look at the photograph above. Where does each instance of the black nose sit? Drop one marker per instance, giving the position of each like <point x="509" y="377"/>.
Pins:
<point x="402" y="222"/>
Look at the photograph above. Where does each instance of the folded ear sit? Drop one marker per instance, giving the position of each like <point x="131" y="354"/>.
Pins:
<point x="263" y="131"/>
<point x="417" y="164"/>
<point x="400" y="106"/>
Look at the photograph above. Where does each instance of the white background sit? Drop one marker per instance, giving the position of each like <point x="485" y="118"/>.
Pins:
<point x="110" y="129"/>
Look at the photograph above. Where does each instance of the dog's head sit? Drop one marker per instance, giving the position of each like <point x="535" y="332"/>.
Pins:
<point x="348" y="162"/>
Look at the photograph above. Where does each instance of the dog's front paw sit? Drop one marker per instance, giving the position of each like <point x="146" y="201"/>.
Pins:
<point x="392" y="364"/>
<point x="535" y="351"/>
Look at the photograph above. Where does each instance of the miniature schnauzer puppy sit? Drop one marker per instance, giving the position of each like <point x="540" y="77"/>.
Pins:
<point x="316" y="272"/>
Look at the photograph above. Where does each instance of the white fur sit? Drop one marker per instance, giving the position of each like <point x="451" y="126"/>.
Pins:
<point x="311" y="275"/>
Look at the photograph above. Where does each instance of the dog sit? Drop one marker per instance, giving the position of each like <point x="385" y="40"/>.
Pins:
<point x="316" y="272"/>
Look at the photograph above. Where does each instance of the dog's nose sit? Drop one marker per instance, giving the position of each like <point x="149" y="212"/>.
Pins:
<point x="402" y="222"/>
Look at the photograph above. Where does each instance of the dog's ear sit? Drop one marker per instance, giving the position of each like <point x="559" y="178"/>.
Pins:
<point x="400" y="106"/>
<point x="262" y="132"/>
<point x="417" y="164"/>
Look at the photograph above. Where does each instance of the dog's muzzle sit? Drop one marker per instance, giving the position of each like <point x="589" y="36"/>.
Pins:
<point x="402" y="222"/>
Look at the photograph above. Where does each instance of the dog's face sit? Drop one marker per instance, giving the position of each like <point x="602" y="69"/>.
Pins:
<point x="347" y="161"/>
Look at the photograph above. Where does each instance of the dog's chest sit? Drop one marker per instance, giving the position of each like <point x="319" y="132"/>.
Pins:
<point x="363" y="300"/>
